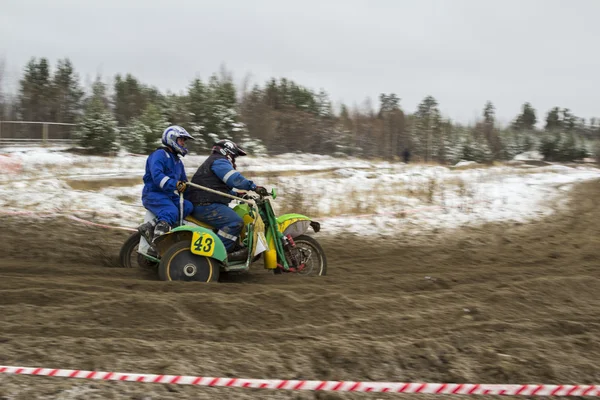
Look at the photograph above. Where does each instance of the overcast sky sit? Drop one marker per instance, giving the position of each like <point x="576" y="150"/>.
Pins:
<point x="463" y="52"/>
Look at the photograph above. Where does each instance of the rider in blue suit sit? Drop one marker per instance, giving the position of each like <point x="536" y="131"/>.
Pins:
<point x="164" y="179"/>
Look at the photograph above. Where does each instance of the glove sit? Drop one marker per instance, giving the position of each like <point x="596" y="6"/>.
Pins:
<point x="261" y="191"/>
<point x="181" y="186"/>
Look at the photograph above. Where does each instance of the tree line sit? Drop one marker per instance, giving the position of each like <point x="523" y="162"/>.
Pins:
<point x="282" y="116"/>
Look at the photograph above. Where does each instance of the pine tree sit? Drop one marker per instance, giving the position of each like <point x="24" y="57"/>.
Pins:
<point x="222" y="119"/>
<point x="450" y="143"/>
<point x="393" y="124"/>
<point x="67" y="92"/>
<point x="143" y="135"/>
<point x="130" y="99"/>
<point x="483" y="153"/>
<point x="175" y="109"/>
<point x="197" y="101"/>
<point x="35" y="92"/>
<point x="569" y="121"/>
<point x="553" y="120"/>
<point x="474" y="149"/>
<point x="526" y="120"/>
<point x="427" y="129"/>
<point x="489" y="113"/>
<point x="97" y="131"/>
<point x="513" y="143"/>
<point x="469" y="153"/>
<point x="568" y="148"/>
<point x="549" y="146"/>
<point x="325" y="131"/>
<point x="324" y="108"/>
<point x="489" y="132"/>
<point x="584" y="149"/>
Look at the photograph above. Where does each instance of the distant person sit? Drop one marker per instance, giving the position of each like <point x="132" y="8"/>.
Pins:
<point x="218" y="172"/>
<point x="164" y="179"/>
<point x="406" y="155"/>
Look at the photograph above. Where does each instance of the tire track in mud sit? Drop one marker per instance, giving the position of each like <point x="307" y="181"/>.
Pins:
<point x="499" y="303"/>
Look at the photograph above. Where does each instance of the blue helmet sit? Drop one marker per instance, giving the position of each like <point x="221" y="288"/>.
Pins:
<point x="170" y="136"/>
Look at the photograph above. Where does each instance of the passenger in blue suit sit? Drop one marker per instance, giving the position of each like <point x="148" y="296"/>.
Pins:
<point x="218" y="172"/>
<point x="164" y="180"/>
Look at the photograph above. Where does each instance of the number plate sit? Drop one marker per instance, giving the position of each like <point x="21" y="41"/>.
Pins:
<point x="203" y="244"/>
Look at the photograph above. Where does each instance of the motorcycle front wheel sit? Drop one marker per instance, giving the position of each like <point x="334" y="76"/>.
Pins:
<point x="312" y="255"/>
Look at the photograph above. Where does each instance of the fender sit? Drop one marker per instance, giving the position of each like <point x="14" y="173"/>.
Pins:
<point x="202" y="241"/>
<point x="292" y="224"/>
<point x="243" y="210"/>
<point x="296" y="224"/>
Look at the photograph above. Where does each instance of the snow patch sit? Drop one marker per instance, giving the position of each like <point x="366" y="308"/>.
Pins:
<point x="345" y="195"/>
<point x="464" y="163"/>
<point x="529" y="155"/>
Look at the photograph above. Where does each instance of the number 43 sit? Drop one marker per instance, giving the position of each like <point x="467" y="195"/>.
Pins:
<point x="202" y="244"/>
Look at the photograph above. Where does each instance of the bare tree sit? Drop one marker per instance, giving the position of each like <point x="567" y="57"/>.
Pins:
<point x="244" y="88"/>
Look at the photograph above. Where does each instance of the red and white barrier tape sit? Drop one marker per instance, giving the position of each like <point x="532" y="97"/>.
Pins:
<point x="334" y="386"/>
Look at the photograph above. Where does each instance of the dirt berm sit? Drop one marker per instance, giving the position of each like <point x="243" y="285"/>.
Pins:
<point x="500" y="303"/>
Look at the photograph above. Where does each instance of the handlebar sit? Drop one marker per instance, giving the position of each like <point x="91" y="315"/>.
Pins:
<point x="272" y="194"/>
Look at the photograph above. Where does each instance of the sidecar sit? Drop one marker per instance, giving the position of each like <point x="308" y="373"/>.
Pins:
<point x="194" y="252"/>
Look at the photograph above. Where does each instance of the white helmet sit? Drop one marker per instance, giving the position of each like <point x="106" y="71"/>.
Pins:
<point x="170" y="136"/>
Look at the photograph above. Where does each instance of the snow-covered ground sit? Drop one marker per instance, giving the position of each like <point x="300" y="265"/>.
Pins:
<point x="344" y="194"/>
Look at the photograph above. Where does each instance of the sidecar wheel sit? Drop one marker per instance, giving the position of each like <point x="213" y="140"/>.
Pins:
<point x="180" y="264"/>
<point x="316" y="264"/>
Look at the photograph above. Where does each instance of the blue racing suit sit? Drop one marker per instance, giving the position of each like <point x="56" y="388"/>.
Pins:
<point x="160" y="196"/>
<point x="218" y="173"/>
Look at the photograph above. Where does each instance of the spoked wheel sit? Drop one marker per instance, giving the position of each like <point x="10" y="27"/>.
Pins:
<point x="310" y="253"/>
<point x="180" y="264"/>
<point x="130" y="258"/>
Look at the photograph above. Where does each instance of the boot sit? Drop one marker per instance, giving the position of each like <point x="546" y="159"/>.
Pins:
<point x="240" y="254"/>
<point x="161" y="228"/>
<point x="147" y="231"/>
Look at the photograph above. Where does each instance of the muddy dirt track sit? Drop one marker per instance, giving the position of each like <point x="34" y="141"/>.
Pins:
<point x="503" y="303"/>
